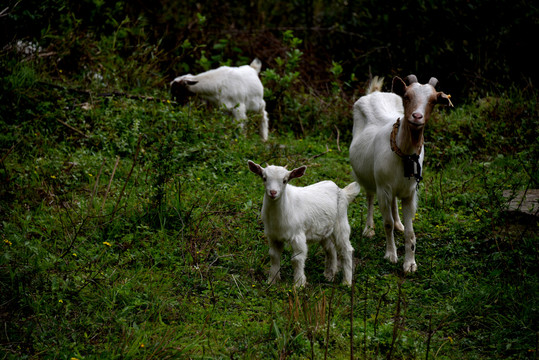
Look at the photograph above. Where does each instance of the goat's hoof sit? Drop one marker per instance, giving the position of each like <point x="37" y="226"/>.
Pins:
<point x="410" y="267"/>
<point x="329" y="275"/>
<point x="299" y="283"/>
<point x="273" y="280"/>
<point x="399" y="226"/>
<point x="391" y="257"/>
<point x="368" y="232"/>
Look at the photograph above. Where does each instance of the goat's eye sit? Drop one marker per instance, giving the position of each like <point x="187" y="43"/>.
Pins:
<point x="264" y="179"/>
<point x="284" y="181"/>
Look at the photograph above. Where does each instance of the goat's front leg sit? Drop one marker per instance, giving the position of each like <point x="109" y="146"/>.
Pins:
<point x="299" y="255"/>
<point x="369" y="225"/>
<point x="408" y="212"/>
<point x="385" y="202"/>
<point x="275" y="251"/>
<point x="240" y="114"/>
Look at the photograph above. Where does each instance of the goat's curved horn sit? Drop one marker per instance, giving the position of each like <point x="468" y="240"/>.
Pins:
<point x="433" y="82"/>
<point x="411" y="79"/>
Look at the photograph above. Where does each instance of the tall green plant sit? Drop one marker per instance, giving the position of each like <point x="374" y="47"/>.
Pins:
<point x="280" y="83"/>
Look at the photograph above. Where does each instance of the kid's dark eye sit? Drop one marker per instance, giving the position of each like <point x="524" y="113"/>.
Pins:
<point x="284" y="181"/>
<point x="264" y="179"/>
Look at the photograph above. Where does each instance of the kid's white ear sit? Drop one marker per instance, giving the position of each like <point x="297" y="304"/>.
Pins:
<point x="255" y="168"/>
<point x="298" y="172"/>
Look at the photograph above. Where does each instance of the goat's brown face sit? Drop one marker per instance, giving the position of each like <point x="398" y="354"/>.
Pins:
<point x="418" y="100"/>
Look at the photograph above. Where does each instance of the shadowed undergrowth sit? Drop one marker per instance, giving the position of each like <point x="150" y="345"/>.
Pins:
<point x="130" y="229"/>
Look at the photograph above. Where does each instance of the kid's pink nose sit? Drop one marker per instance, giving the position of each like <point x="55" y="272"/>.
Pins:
<point x="273" y="193"/>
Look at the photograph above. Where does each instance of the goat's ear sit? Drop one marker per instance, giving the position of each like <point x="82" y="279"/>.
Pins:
<point x="190" y="82"/>
<point x="255" y="168"/>
<point x="296" y="173"/>
<point x="398" y="86"/>
<point x="444" y="99"/>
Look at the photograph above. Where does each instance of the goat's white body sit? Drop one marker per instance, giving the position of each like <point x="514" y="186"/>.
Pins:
<point x="380" y="171"/>
<point x="310" y="210"/>
<point x="298" y="216"/>
<point x="315" y="213"/>
<point x="238" y="89"/>
<point x="375" y="110"/>
<point x="374" y="163"/>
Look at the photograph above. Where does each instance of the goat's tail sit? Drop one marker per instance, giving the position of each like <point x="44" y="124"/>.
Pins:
<point x="257" y="65"/>
<point x="351" y="191"/>
<point x="375" y="85"/>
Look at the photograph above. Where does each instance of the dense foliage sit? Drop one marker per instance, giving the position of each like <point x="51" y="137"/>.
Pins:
<point x="472" y="46"/>
<point x="130" y="226"/>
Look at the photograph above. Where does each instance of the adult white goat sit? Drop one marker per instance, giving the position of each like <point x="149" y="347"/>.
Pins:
<point x="301" y="215"/>
<point x="238" y="89"/>
<point x="386" y="154"/>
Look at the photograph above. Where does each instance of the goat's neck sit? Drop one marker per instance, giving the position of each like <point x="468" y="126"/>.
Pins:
<point x="409" y="140"/>
<point x="276" y="205"/>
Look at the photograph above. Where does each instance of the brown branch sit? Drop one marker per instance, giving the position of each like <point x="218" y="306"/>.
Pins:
<point x="109" y="94"/>
<point x="9" y="151"/>
<point x="72" y="128"/>
<point x="96" y="184"/>
<point x="6" y="12"/>
<point x="129" y="174"/>
<point x="338" y="136"/>
<point x="318" y="155"/>
<point x="110" y="183"/>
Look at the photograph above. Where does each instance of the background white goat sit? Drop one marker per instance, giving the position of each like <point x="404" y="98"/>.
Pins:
<point x="299" y="215"/>
<point x="386" y="154"/>
<point x="238" y="89"/>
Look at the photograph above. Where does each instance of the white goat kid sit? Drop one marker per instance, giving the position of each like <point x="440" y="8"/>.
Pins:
<point x="301" y="215"/>
<point x="238" y="89"/>
<point x="386" y="154"/>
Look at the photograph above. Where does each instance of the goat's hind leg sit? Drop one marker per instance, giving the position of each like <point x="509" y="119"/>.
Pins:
<point x="369" y="225"/>
<point x="264" y="123"/>
<point x="345" y="250"/>
<point x="332" y="263"/>
<point x="386" y="205"/>
<point x="396" y="218"/>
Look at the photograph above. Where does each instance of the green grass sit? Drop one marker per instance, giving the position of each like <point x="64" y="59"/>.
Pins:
<point x="131" y="229"/>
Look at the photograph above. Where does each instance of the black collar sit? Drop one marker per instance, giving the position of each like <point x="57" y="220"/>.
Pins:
<point x="411" y="164"/>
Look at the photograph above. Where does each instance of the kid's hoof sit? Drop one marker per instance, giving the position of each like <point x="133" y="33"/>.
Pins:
<point x="391" y="257"/>
<point x="410" y="267"/>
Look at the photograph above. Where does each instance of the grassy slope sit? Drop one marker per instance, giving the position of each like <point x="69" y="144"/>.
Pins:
<point x="163" y="255"/>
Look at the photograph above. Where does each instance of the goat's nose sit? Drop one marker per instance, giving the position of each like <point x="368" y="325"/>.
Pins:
<point x="273" y="193"/>
<point x="417" y="116"/>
